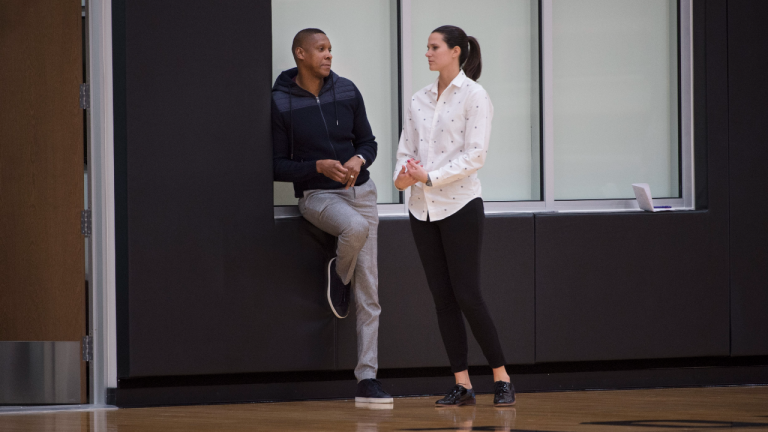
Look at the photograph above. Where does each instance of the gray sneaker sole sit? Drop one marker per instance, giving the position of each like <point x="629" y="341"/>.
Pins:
<point x="388" y="400"/>
<point x="328" y="292"/>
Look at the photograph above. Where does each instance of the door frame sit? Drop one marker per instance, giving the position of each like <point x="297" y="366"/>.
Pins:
<point x="101" y="191"/>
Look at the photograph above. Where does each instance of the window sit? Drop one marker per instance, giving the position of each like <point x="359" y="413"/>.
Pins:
<point x="590" y="96"/>
<point x="364" y="39"/>
<point x="507" y="31"/>
<point x="617" y="102"/>
<point x="615" y="94"/>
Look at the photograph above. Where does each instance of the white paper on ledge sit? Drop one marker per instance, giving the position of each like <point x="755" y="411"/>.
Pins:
<point x="643" y="195"/>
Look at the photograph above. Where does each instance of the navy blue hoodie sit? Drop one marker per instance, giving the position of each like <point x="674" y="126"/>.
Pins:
<point x="306" y="129"/>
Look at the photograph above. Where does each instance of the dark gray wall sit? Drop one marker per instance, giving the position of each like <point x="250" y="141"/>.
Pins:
<point x="615" y="287"/>
<point x="748" y="179"/>
<point x="210" y="284"/>
<point x="409" y="336"/>
<point x="640" y="286"/>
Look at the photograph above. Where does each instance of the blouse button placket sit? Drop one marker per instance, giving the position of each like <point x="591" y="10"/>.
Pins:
<point x="433" y="127"/>
<point x="438" y="107"/>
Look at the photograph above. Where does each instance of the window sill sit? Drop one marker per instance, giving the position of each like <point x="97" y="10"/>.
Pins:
<point x="388" y="211"/>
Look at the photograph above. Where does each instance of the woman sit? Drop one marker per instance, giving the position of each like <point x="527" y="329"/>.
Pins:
<point x="444" y="143"/>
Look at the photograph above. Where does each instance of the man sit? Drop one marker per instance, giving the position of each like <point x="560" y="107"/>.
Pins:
<point x="323" y="144"/>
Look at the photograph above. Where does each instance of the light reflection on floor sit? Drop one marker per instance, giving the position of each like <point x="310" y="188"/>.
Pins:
<point x="700" y="409"/>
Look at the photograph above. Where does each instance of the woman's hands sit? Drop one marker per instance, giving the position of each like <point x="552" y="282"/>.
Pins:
<point x="414" y="174"/>
<point x="417" y="171"/>
<point x="404" y="180"/>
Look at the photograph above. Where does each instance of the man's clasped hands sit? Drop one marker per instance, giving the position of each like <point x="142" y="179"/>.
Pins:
<point x="346" y="174"/>
<point x="411" y="173"/>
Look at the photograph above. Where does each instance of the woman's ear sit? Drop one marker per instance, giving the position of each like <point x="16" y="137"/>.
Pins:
<point x="456" y="51"/>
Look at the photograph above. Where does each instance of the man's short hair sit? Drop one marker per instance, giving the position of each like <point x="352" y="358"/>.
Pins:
<point x="301" y="38"/>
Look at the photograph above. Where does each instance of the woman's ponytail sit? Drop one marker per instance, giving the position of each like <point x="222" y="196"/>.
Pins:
<point x="474" y="64"/>
<point x="470" y="59"/>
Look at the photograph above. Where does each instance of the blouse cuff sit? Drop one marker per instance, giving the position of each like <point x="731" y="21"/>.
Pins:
<point x="436" y="177"/>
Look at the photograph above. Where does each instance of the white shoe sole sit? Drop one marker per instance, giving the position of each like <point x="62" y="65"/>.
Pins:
<point x="374" y="406"/>
<point x="328" y="291"/>
<point x="374" y="400"/>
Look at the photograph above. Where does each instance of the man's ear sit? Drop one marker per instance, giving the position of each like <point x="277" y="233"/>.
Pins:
<point x="300" y="53"/>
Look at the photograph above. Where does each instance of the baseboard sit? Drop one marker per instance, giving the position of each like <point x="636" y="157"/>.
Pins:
<point x="533" y="378"/>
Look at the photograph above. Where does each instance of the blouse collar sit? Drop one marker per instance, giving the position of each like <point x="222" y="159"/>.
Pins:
<point x="458" y="81"/>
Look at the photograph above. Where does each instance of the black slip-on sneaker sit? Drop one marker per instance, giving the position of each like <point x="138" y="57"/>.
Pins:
<point x="370" y="391"/>
<point x="338" y="292"/>
<point x="457" y="396"/>
<point x="503" y="394"/>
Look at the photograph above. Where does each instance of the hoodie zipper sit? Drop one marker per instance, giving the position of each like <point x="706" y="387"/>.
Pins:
<point x="328" y="134"/>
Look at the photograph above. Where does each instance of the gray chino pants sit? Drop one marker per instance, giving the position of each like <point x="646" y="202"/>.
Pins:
<point x="352" y="216"/>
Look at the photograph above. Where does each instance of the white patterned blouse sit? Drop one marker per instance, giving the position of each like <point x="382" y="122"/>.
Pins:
<point x="450" y="136"/>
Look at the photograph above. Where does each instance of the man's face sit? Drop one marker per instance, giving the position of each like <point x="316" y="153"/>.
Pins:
<point x="315" y="56"/>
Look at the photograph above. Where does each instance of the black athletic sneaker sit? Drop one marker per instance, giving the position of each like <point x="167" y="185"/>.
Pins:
<point x="503" y="394"/>
<point x="457" y="396"/>
<point x="338" y="293"/>
<point x="370" y="391"/>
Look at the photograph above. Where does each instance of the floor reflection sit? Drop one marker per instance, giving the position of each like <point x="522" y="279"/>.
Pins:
<point x="463" y="418"/>
<point x="467" y="419"/>
<point x="733" y="408"/>
<point x="369" y="422"/>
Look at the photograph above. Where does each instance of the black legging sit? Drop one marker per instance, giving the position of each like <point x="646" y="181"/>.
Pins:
<point x="450" y="253"/>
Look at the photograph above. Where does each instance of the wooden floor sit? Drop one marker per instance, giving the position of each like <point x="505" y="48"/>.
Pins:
<point x="702" y="409"/>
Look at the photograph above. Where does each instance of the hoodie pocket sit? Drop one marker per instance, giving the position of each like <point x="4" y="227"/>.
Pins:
<point x="346" y="152"/>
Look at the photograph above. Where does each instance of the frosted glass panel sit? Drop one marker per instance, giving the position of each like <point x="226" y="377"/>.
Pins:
<point x="508" y="34"/>
<point x="615" y="98"/>
<point x="364" y="39"/>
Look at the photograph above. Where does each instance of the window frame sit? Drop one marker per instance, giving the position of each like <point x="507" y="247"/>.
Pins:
<point x="548" y="204"/>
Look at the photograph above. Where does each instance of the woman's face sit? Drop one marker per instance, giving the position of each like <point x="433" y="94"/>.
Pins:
<point x="439" y="55"/>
